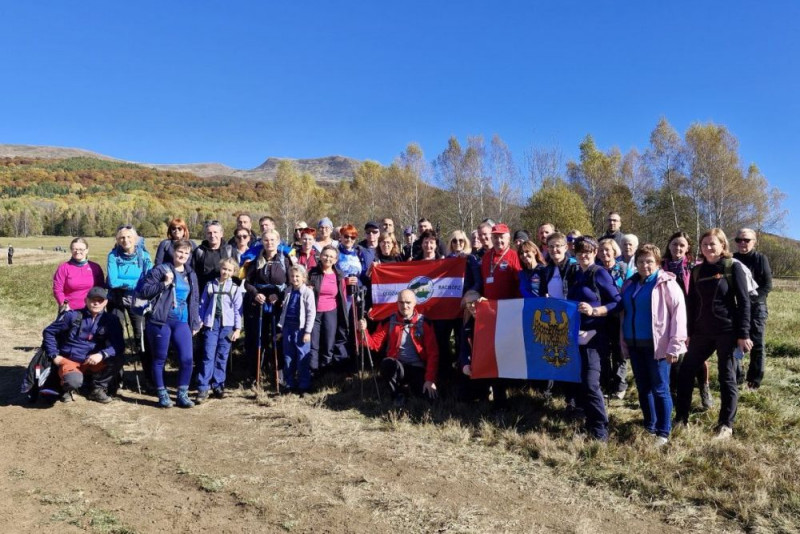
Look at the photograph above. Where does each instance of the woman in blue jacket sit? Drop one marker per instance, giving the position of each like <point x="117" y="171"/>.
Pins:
<point x="174" y="295"/>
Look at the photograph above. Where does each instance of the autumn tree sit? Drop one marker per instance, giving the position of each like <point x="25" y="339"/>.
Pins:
<point x="559" y="205"/>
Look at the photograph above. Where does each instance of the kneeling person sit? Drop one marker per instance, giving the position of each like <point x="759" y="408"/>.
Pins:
<point x="412" y="356"/>
<point x="86" y="343"/>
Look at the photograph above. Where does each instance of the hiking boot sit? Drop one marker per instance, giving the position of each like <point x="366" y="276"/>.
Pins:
<point x="183" y="400"/>
<point x="619" y="395"/>
<point x="724" y="432"/>
<point x="705" y="396"/>
<point x="99" y="395"/>
<point x="660" y="442"/>
<point x="201" y="397"/>
<point x="163" y="398"/>
<point x="66" y="396"/>
<point x="219" y="393"/>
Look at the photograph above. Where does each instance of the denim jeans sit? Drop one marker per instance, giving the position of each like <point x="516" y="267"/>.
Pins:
<point x="214" y="363"/>
<point x="296" y="359"/>
<point x="652" y="382"/>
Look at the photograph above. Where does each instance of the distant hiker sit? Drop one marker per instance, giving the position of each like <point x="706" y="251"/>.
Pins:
<point x="412" y="356"/>
<point x="295" y="325"/>
<point x="762" y="274"/>
<point x="74" y="278"/>
<point x="221" y="313"/>
<point x="85" y="345"/>
<point x="174" y="295"/>
<point x="10" y="254"/>
<point x="126" y="266"/>
<point x="177" y="230"/>
<point x="613" y="230"/>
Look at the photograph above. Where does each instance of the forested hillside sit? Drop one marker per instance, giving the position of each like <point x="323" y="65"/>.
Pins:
<point x="690" y="182"/>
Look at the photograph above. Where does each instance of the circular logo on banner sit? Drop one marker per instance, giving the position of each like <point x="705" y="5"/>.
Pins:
<point x="422" y="286"/>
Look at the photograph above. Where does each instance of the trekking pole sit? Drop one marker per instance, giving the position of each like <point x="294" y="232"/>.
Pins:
<point x="258" y="349"/>
<point x="275" y="353"/>
<point x="135" y="368"/>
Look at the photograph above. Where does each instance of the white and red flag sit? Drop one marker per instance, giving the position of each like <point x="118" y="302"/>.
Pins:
<point x="438" y="285"/>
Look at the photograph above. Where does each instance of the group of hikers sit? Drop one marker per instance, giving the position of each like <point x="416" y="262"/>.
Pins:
<point x="302" y="306"/>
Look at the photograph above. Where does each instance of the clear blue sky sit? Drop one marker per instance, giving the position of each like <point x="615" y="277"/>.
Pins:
<point x="237" y="82"/>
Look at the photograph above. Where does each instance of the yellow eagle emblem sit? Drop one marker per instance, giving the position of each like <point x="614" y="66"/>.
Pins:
<point x="552" y="335"/>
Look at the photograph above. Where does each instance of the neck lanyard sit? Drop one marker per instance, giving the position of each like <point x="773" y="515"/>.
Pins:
<point x="493" y="265"/>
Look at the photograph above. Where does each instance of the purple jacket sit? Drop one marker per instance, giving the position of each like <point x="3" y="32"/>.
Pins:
<point x="232" y="296"/>
<point x="668" y="317"/>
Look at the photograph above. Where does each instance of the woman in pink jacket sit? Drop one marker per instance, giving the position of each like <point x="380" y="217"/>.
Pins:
<point x="653" y="336"/>
<point x="74" y="278"/>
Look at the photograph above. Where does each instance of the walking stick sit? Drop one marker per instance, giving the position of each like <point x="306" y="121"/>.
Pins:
<point x="135" y="368"/>
<point x="275" y="354"/>
<point x="258" y="347"/>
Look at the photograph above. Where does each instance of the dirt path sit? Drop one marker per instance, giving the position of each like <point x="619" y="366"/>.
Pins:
<point x="289" y="466"/>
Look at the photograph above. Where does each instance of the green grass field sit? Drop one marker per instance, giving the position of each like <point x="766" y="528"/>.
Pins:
<point x="751" y="479"/>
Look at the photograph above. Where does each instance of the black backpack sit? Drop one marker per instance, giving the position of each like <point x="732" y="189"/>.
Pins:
<point x="40" y="377"/>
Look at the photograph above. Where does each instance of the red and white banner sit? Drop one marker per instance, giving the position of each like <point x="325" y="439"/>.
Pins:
<point x="438" y="285"/>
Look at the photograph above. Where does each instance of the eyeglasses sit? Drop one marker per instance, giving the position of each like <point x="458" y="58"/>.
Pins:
<point x="742" y="240"/>
<point x="456" y="240"/>
<point x="348" y="237"/>
<point x="570" y="239"/>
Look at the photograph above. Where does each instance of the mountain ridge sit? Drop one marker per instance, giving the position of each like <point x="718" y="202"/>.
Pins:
<point x="325" y="169"/>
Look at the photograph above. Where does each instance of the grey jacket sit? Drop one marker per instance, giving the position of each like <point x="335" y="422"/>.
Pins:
<point x="308" y="308"/>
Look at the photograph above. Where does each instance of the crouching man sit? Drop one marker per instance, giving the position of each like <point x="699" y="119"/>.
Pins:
<point x="412" y="357"/>
<point x="88" y="343"/>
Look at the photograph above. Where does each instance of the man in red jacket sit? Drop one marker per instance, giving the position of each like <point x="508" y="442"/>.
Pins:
<point x="412" y="355"/>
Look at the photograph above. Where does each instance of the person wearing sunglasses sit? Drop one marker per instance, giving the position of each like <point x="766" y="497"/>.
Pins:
<point x="241" y="239"/>
<point x="762" y="274"/>
<point x="177" y="230"/>
<point x="243" y="222"/>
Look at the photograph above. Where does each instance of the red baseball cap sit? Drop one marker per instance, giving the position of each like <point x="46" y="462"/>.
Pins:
<point x="500" y="229"/>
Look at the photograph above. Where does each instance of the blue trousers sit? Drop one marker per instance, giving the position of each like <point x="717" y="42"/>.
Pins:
<point x="215" y="357"/>
<point x="652" y="382"/>
<point x="591" y="395"/>
<point x="179" y="335"/>
<point x="296" y="359"/>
